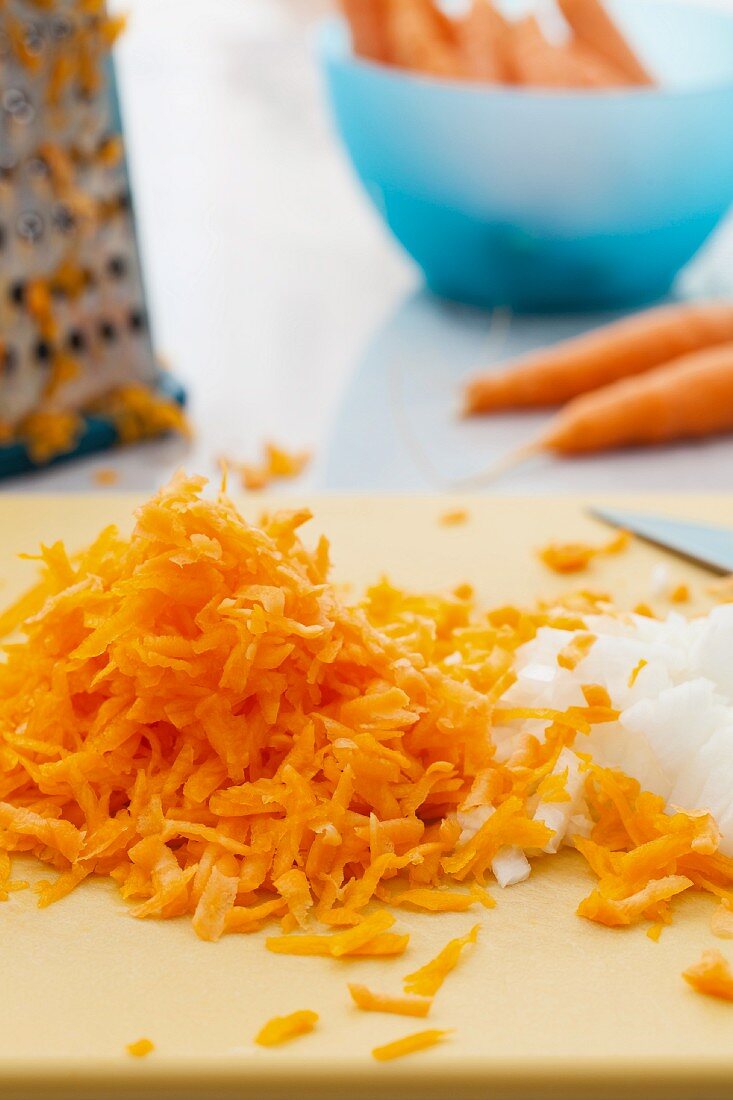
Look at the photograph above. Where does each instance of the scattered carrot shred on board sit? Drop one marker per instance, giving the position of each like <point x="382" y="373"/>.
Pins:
<point x="712" y="976"/>
<point x="426" y="981"/>
<point x="106" y="475"/>
<point x="435" y="901"/>
<point x="368" y="1001"/>
<point x="455" y="518"/>
<point x="281" y="1029"/>
<point x="276" y="463"/>
<point x="140" y="1048"/>
<point x="721" y="921"/>
<point x="645" y="610"/>
<point x="575" y="557"/>
<point x="383" y="945"/>
<point x="655" y="931"/>
<point x="410" y="1044"/>
<point x="680" y="594"/>
<point x="581" y="645"/>
<point x="636" y="670"/>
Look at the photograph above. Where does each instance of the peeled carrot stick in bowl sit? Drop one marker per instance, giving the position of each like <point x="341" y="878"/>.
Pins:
<point x="594" y="27"/>
<point x="535" y="60"/>
<point x="422" y="38"/>
<point x="484" y="39"/>
<point x="689" y="398"/>
<point x="624" y="348"/>
<point x="367" y="20"/>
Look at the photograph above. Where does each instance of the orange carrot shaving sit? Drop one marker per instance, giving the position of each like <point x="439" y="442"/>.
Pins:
<point x="435" y="901"/>
<point x="655" y="931"/>
<point x="281" y="1029"/>
<point x="680" y="593"/>
<point x="368" y="1001"/>
<point x="140" y="1048"/>
<point x="426" y="981"/>
<point x="455" y="518"/>
<point x="576" y="650"/>
<point x="711" y="976"/>
<point x="721" y="922"/>
<point x="384" y="945"/>
<point x="277" y="463"/>
<point x="636" y="670"/>
<point x="410" y="1044"/>
<point x="106" y="475"/>
<point x="617" y="913"/>
<point x="575" y="557"/>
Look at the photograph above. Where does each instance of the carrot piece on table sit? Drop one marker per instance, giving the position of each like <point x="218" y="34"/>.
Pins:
<point x="574" y="557"/>
<point x="421" y="1040"/>
<point x="368" y="22"/>
<point x="552" y="376"/>
<point x="423" y="39"/>
<point x="426" y="981"/>
<point x="484" y="39"/>
<point x="711" y="976"/>
<point x="594" y="27"/>
<point x="281" y="1029"/>
<point x="690" y="398"/>
<point x="140" y="1048"/>
<point x="368" y="1001"/>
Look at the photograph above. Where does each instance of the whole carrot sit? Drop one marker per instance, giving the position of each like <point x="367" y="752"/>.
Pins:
<point x="689" y="398"/>
<point x="484" y="36"/>
<point x="628" y="347"/>
<point x="368" y="22"/>
<point x="593" y="26"/>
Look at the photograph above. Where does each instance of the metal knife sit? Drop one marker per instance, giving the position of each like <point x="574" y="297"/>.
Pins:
<point x="706" y="545"/>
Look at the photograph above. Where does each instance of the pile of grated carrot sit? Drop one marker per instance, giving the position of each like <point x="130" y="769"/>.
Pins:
<point x="195" y="712"/>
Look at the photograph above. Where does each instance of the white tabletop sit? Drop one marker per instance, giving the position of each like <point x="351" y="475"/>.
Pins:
<point x="278" y="298"/>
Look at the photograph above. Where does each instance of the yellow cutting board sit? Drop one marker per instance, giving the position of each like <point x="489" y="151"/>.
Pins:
<point x="546" y="1004"/>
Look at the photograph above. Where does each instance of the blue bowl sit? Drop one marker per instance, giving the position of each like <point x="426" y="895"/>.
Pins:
<point x="549" y="200"/>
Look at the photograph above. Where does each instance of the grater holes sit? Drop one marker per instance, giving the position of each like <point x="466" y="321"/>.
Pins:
<point x="137" y="320"/>
<point x="16" y="293"/>
<point x="33" y="38"/>
<point x="63" y="219"/>
<point x="42" y="352"/>
<point x="61" y="28"/>
<point x="107" y="332"/>
<point x="9" y="362"/>
<point x="29" y="227"/>
<point x="17" y="104"/>
<point x="117" y="267"/>
<point x="76" y="341"/>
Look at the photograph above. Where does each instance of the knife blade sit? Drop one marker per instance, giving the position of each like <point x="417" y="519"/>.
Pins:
<point x="705" y="544"/>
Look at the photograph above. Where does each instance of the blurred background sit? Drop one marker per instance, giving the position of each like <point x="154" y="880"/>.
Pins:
<point x="279" y="298"/>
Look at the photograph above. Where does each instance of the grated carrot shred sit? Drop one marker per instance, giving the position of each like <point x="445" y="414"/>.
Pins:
<point x="711" y="976"/>
<point x="368" y="1001"/>
<point x="680" y="593"/>
<point x="410" y="1044"/>
<point x="636" y="670"/>
<point x="435" y="901"/>
<point x="281" y="1029"/>
<point x="197" y="713"/>
<point x="141" y="1048"/>
<point x="573" y="653"/>
<point x="575" y="557"/>
<point x="455" y="518"/>
<point x="426" y="981"/>
<point x="721" y="921"/>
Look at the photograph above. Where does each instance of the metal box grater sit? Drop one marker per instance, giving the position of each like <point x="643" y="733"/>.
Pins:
<point x="73" y="321"/>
